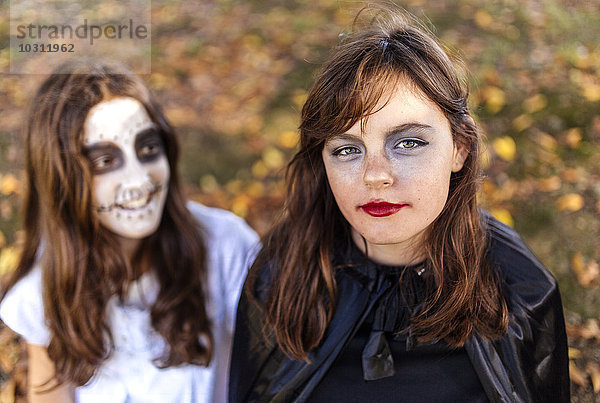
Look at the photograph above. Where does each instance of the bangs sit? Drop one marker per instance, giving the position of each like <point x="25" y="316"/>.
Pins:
<point x="356" y="83"/>
<point x="369" y="91"/>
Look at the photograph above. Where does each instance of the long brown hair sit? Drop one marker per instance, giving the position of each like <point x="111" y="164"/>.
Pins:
<point x="391" y="48"/>
<point x="82" y="263"/>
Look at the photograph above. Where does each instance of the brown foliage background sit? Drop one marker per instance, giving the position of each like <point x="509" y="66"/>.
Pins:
<point x="232" y="76"/>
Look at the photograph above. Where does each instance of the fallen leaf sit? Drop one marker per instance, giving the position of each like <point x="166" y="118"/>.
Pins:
<point x="570" y="202"/>
<point x="483" y="18"/>
<point x="587" y="274"/>
<point x="288" y="139"/>
<point x="594" y="370"/>
<point x="573" y="175"/>
<point x="546" y="141"/>
<point x="591" y="330"/>
<point x="574" y="353"/>
<point x="259" y="169"/>
<point x="505" y="147"/>
<point x="503" y="215"/>
<point x="10" y="184"/>
<point x="522" y="122"/>
<point x="573" y="137"/>
<point x="495" y="99"/>
<point x="535" y="103"/>
<point x="240" y="205"/>
<point x="9" y="258"/>
<point x="591" y="92"/>
<point x="549" y="184"/>
<point x="273" y="158"/>
<point x="577" y="375"/>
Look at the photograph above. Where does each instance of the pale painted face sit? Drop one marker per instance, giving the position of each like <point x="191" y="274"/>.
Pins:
<point x="392" y="180"/>
<point x="131" y="171"/>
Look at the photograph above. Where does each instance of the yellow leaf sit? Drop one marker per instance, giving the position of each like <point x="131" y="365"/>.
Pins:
<point x="573" y="137"/>
<point x="522" y="122"/>
<point x="2" y="240"/>
<point x="549" y="184"/>
<point x="208" y="183"/>
<point x="10" y="184"/>
<point x="483" y="18"/>
<point x="256" y="189"/>
<point x="273" y="158"/>
<point x="299" y="98"/>
<point x="495" y="99"/>
<point x="535" y="103"/>
<point x="288" y="139"/>
<point x="570" y="202"/>
<point x="159" y="81"/>
<point x="9" y="258"/>
<point x="6" y="209"/>
<point x="574" y="353"/>
<point x="573" y="175"/>
<point x="546" y="141"/>
<point x="577" y="375"/>
<point x="234" y="186"/>
<point x="594" y="370"/>
<point x="503" y="215"/>
<point x="259" y="169"/>
<point x="591" y="92"/>
<point x="505" y="147"/>
<point x="587" y="274"/>
<point x="240" y="205"/>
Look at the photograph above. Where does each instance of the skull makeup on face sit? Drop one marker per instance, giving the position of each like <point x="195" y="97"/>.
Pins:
<point x="131" y="170"/>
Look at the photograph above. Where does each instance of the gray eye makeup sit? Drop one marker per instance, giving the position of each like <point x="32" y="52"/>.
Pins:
<point x="408" y="137"/>
<point x="149" y="145"/>
<point x="104" y="157"/>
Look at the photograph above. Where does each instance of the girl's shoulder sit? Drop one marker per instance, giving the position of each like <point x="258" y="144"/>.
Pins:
<point x="22" y="308"/>
<point x="231" y="246"/>
<point x="222" y="226"/>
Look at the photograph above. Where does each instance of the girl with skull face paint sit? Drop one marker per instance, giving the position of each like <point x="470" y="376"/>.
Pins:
<point x="383" y="281"/>
<point x="124" y="292"/>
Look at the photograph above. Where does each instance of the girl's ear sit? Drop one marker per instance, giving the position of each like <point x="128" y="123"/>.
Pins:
<point x="460" y="155"/>
<point x="461" y="151"/>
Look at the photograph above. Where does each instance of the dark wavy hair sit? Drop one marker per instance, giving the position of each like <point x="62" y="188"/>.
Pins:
<point x="390" y="49"/>
<point x="82" y="263"/>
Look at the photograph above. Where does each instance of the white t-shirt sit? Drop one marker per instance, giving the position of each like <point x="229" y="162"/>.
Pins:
<point x="129" y="374"/>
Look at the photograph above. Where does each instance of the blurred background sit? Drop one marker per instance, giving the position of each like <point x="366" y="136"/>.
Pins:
<point x="232" y="77"/>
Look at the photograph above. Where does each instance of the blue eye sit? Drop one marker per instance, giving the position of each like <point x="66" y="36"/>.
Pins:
<point x="347" y="150"/>
<point x="408" y="144"/>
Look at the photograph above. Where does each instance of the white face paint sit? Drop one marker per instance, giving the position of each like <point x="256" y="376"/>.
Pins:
<point x="131" y="170"/>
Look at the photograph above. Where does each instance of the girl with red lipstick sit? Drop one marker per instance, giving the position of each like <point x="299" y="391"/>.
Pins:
<point x="383" y="280"/>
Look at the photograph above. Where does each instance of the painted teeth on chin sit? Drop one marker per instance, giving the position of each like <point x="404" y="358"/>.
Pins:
<point x="137" y="203"/>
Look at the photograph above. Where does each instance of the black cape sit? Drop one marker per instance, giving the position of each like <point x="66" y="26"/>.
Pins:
<point x="529" y="363"/>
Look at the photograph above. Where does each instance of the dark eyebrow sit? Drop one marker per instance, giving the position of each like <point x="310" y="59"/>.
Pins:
<point x="99" y="147"/>
<point x="345" y="136"/>
<point x="147" y="133"/>
<point x="406" y="127"/>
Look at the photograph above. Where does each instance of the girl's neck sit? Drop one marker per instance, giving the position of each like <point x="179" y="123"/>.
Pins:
<point x="129" y="247"/>
<point x="400" y="254"/>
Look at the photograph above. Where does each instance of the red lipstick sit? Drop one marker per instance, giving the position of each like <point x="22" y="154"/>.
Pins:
<point x="381" y="208"/>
